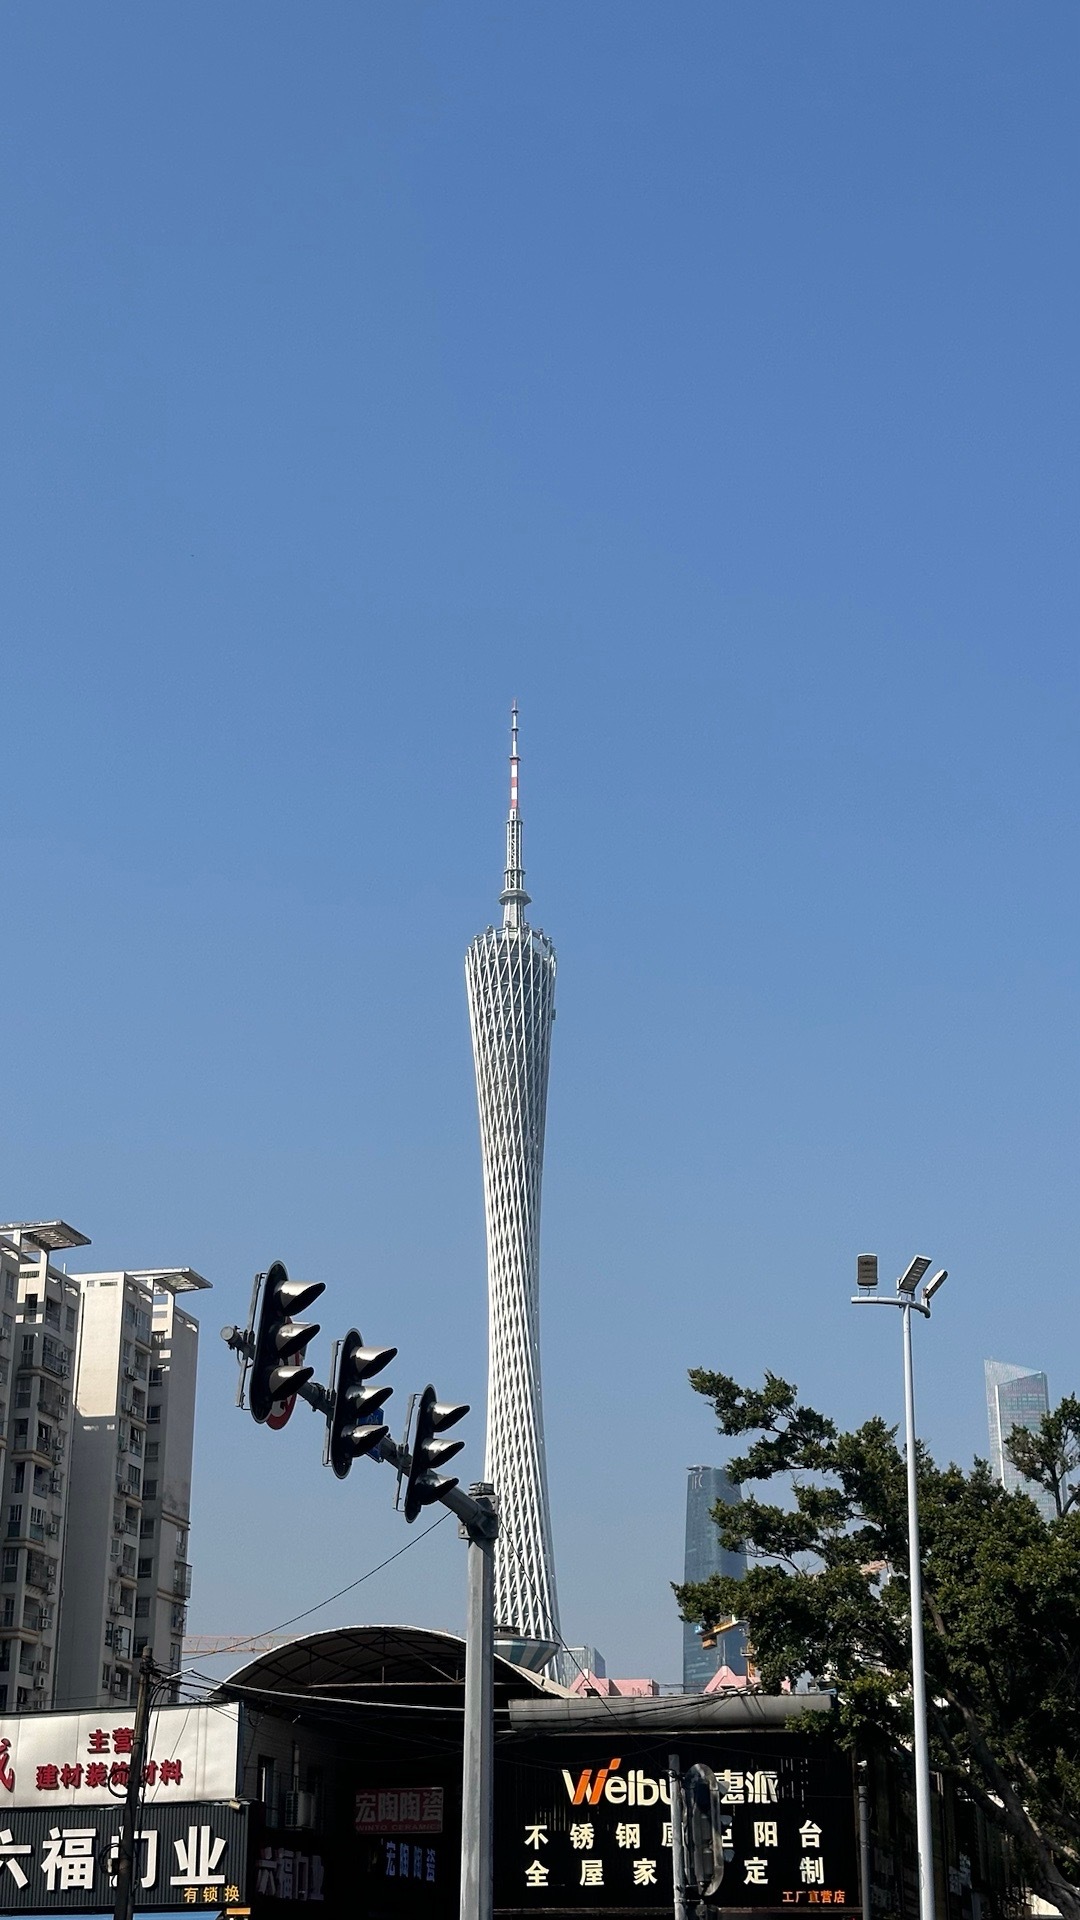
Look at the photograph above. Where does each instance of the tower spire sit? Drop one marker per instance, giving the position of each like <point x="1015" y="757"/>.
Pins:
<point x="513" y="899"/>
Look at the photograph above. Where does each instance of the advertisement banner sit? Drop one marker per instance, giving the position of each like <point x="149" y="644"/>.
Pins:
<point x="594" y="1829"/>
<point x="185" y="1856"/>
<point x="65" y="1760"/>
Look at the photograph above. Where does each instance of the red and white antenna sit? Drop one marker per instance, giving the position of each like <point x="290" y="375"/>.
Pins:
<point x="515" y="758"/>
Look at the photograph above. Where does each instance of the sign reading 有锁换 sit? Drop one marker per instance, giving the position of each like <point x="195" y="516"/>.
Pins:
<point x="84" y="1759"/>
<point x="186" y="1857"/>
<point x="595" y="1830"/>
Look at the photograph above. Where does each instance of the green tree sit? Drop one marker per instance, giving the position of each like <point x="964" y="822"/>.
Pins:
<point x="826" y="1593"/>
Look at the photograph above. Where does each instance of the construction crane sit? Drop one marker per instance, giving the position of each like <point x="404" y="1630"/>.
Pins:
<point x="203" y="1644"/>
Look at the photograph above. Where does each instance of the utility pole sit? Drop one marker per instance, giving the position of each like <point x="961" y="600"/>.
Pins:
<point x="124" y="1906"/>
<point x="678" y="1856"/>
<point x="478" y="1769"/>
<point x="864" y="1837"/>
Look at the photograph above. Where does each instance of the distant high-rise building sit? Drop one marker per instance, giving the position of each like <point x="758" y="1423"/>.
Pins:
<point x="130" y="1510"/>
<point x="1015" y="1397"/>
<point x="707" y="1487"/>
<point x="510" y="977"/>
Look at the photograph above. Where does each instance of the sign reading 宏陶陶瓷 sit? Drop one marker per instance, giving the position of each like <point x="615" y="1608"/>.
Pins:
<point x="52" y="1861"/>
<point x="84" y="1759"/>
<point x="595" y="1830"/>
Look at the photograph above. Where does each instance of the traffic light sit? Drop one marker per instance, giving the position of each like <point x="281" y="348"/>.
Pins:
<point x="279" y="1342"/>
<point x="704" y="1815"/>
<point x="353" y="1430"/>
<point x="425" y="1484"/>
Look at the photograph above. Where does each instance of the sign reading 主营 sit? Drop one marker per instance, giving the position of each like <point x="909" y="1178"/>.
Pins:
<point x="84" y="1759"/>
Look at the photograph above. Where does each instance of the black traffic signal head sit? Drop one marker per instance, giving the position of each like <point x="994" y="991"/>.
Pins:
<point x="425" y="1484"/>
<point x="354" y="1427"/>
<point x="280" y="1340"/>
<point x="704" y="1815"/>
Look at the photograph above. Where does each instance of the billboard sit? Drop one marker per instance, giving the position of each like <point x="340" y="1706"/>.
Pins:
<point x="64" y="1760"/>
<point x="185" y="1856"/>
<point x="593" y="1829"/>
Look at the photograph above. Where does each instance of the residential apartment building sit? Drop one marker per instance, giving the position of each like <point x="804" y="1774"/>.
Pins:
<point x="97" y="1412"/>
<point x="128" y="1576"/>
<point x="39" y="1331"/>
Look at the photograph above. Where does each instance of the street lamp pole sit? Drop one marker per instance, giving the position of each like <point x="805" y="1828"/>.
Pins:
<point x="906" y="1289"/>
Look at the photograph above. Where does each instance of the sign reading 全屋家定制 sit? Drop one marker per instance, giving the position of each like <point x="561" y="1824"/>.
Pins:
<point x="84" y="1759"/>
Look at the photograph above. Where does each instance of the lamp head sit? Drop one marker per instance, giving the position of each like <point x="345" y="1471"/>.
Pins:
<point x="908" y="1281"/>
<point x="866" y="1269"/>
<point x="938" y="1280"/>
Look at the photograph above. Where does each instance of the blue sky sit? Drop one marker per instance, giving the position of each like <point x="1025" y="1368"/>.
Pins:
<point x="704" y="377"/>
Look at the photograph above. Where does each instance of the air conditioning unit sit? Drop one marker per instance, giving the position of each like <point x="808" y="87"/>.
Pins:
<point x="41" y="1666"/>
<point x="299" y="1809"/>
<point x="46" y="1619"/>
<point x="39" y="1683"/>
<point x="119" y="1684"/>
<point x="49" y="1586"/>
<point x="52" y="1528"/>
<point x="56" y="1483"/>
<point x="130" y="1373"/>
<point x="118" y="1525"/>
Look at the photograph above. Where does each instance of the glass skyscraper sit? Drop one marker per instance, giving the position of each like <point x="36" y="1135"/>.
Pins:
<point x="1015" y="1397"/>
<point x="707" y="1487"/>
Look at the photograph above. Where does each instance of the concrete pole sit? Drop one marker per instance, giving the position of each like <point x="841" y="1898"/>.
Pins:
<point x="678" y="1857"/>
<point x="923" y="1809"/>
<point x="478" y="1772"/>
<point x="124" y="1905"/>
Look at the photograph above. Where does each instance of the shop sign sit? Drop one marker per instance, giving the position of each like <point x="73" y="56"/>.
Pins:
<point x="186" y="1857"/>
<point x="597" y="1832"/>
<point x="65" y="1760"/>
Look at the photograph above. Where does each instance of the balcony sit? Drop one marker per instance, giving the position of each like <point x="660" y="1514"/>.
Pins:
<point x="53" y="1363"/>
<point x="182" y="1579"/>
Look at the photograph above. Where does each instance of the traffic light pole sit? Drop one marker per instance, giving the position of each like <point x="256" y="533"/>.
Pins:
<point x="478" y="1771"/>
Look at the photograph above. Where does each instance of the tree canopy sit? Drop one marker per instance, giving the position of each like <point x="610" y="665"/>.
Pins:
<point x="826" y="1593"/>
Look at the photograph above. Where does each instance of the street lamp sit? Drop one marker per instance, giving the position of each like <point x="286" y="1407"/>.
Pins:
<point x="907" y="1288"/>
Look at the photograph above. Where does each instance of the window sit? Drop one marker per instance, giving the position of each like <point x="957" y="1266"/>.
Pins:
<point x="152" y="1447"/>
<point x="142" y="1606"/>
<point x="3" y="1699"/>
<point x="30" y="1305"/>
<point x="22" y="1391"/>
<point x="153" y="1414"/>
<point x="146" y="1568"/>
<point x="22" y="1428"/>
<point x="9" y="1284"/>
<point x="14" y="1520"/>
<point x="106" y="1677"/>
<point x="70" y="1319"/>
<point x="18" y="1477"/>
<point x="28" y="1346"/>
<point x="5" y="1655"/>
<point x="157" y="1375"/>
<point x="8" y="1619"/>
<point x="150" y="1490"/>
<point x="146" y="1531"/>
<point x="10" y="1568"/>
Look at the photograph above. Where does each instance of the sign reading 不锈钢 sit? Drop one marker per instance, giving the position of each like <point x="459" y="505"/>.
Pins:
<point x="186" y="1857"/>
<point x="66" y="1760"/>
<point x="596" y="1830"/>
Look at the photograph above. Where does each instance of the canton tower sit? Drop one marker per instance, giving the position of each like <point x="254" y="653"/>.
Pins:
<point x="510" y="977"/>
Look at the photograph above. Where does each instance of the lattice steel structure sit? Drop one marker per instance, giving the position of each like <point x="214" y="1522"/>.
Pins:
<point x="510" y="976"/>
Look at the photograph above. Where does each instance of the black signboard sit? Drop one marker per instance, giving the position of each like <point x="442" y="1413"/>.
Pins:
<point x="593" y="1829"/>
<point x="63" y="1859"/>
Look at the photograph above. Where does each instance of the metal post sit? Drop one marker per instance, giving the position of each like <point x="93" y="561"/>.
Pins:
<point x="864" y="1839"/>
<point x="478" y="1772"/>
<point x="124" y="1905"/>
<point x="678" y="1858"/>
<point x="923" y="1814"/>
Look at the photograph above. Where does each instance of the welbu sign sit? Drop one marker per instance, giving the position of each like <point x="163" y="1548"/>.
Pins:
<point x="84" y="1759"/>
